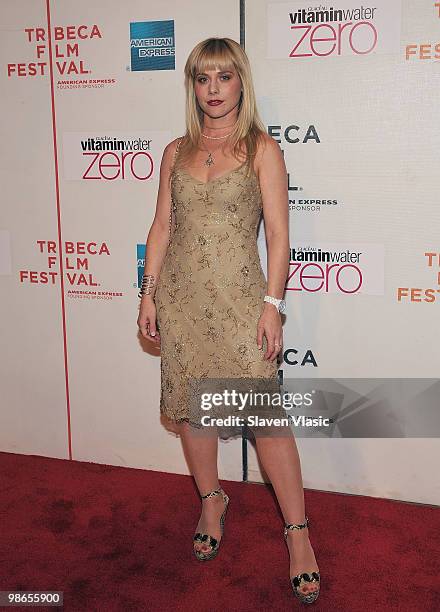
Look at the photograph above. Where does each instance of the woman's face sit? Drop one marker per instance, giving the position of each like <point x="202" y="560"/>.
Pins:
<point x="212" y="86"/>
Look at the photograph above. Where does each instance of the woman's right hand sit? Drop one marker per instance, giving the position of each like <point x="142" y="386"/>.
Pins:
<point x="147" y="319"/>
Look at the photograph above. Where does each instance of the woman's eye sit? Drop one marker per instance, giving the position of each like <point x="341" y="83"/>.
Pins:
<point x="203" y="79"/>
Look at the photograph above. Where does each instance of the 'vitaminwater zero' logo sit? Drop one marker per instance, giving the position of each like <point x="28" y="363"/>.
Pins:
<point x="349" y="28"/>
<point x="353" y="268"/>
<point x="152" y="45"/>
<point x="114" y="155"/>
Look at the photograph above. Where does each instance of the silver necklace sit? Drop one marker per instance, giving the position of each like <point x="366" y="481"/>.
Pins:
<point x="210" y="160"/>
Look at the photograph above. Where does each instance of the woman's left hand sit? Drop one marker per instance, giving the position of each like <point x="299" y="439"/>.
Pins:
<point x="269" y="324"/>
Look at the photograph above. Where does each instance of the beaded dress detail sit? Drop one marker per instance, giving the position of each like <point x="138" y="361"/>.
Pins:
<point x="210" y="290"/>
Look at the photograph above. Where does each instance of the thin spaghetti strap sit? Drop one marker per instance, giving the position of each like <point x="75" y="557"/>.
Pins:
<point x="171" y="219"/>
<point x="176" y="151"/>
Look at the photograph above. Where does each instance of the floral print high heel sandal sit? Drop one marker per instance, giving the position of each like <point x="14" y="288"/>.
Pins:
<point x="304" y="577"/>
<point x="205" y="537"/>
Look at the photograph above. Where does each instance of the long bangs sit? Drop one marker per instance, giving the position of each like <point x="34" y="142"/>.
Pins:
<point x="215" y="55"/>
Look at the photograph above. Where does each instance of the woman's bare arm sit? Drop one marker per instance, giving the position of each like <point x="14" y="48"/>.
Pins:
<point x="157" y="245"/>
<point x="274" y="190"/>
<point x="272" y="175"/>
<point x="158" y="235"/>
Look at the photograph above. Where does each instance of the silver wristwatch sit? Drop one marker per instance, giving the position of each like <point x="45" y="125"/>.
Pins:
<point x="280" y="304"/>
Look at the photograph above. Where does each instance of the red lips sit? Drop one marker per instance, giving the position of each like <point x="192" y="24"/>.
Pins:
<point x="215" y="102"/>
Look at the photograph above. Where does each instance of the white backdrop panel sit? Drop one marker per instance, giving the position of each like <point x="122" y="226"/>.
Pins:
<point x="113" y="376"/>
<point x="358" y="133"/>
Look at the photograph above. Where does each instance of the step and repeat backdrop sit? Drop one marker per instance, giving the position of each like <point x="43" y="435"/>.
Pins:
<point x="91" y="94"/>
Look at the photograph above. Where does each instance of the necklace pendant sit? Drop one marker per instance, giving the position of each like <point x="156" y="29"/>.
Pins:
<point x="209" y="161"/>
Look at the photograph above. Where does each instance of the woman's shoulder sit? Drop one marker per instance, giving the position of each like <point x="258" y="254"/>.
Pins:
<point x="169" y="153"/>
<point x="172" y="146"/>
<point x="266" y="142"/>
<point x="267" y="150"/>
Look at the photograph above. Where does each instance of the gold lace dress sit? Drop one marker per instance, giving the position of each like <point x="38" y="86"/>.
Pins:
<point x="210" y="290"/>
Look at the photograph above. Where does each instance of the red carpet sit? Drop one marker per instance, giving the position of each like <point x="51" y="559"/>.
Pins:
<point x="117" y="539"/>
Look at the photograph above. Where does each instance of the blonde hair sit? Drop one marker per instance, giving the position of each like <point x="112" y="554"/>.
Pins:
<point x="222" y="54"/>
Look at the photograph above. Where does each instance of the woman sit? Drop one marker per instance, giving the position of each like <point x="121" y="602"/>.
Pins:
<point x="205" y="285"/>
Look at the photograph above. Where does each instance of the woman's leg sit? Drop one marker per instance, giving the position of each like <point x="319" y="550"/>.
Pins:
<point x="280" y="459"/>
<point x="201" y="453"/>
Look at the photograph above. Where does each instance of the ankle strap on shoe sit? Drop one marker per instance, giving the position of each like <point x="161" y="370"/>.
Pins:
<point x="212" y="493"/>
<point x="292" y="526"/>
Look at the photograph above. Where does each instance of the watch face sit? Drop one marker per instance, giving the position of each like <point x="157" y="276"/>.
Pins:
<point x="282" y="306"/>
